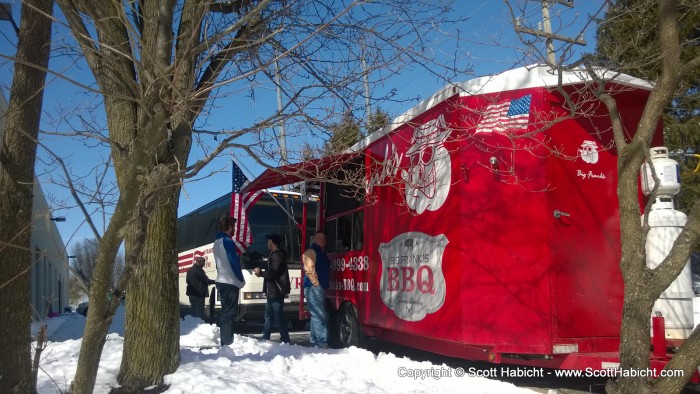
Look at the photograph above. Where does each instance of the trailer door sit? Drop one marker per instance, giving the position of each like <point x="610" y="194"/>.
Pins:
<point x="585" y="235"/>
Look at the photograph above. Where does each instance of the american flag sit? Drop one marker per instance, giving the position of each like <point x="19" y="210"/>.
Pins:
<point x="507" y="115"/>
<point x="240" y="203"/>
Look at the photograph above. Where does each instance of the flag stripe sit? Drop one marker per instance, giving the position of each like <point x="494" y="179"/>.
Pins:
<point x="240" y="204"/>
<point x="510" y="114"/>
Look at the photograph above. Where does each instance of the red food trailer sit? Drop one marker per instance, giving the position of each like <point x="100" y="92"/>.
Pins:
<point x="488" y="227"/>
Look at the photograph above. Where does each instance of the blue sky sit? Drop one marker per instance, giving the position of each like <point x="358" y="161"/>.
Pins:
<point x="488" y="43"/>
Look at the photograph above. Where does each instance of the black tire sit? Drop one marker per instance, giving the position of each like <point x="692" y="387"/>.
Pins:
<point x="349" y="330"/>
<point x="298" y="325"/>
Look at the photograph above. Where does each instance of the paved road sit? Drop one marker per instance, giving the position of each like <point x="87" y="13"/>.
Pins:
<point x="254" y="329"/>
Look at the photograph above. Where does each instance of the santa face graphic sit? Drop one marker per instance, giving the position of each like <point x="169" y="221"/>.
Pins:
<point x="429" y="174"/>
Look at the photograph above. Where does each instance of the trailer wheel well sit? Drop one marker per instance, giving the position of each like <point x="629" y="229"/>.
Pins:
<point x="349" y="327"/>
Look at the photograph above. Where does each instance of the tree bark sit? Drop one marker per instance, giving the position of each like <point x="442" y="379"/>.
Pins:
<point x="643" y="285"/>
<point x="152" y="333"/>
<point x="101" y="310"/>
<point x="17" y="158"/>
<point x="634" y="345"/>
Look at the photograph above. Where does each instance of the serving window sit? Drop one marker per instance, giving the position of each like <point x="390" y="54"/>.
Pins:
<point x="344" y="210"/>
<point x="345" y="233"/>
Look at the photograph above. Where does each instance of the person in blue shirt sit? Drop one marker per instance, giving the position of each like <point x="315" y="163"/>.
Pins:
<point x="317" y="269"/>
<point x="229" y="277"/>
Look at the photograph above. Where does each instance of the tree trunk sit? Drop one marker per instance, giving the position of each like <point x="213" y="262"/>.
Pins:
<point x="152" y="334"/>
<point x="635" y="341"/>
<point x="17" y="157"/>
<point x="686" y="360"/>
<point x="94" y="339"/>
<point x="101" y="311"/>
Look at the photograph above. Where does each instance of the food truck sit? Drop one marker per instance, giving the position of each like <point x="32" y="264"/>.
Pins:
<point x="487" y="226"/>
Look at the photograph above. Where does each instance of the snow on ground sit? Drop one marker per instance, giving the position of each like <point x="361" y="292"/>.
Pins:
<point x="256" y="366"/>
<point x="253" y="366"/>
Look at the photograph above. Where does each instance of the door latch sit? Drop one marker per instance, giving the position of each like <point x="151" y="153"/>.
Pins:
<point x="558" y="214"/>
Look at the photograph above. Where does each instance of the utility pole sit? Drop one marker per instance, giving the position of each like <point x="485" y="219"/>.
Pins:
<point x="282" y="137"/>
<point x="551" y="58"/>
<point x="546" y="30"/>
<point x="368" y="108"/>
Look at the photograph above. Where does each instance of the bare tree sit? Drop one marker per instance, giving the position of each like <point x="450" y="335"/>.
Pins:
<point x="83" y="264"/>
<point x="643" y="285"/>
<point x="17" y="157"/>
<point x="158" y="67"/>
<point x="76" y="289"/>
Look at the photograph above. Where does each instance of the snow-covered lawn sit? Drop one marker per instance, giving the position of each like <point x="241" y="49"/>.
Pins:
<point x="255" y="366"/>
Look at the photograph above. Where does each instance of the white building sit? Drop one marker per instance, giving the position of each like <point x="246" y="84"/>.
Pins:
<point x="49" y="274"/>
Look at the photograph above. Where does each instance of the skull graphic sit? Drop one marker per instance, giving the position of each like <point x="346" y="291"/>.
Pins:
<point x="589" y="151"/>
<point x="429" y="174"/>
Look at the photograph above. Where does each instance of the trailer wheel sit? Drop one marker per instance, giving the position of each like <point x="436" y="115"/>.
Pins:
<point x="349" y="330"/>
<point x="298" y="325"/>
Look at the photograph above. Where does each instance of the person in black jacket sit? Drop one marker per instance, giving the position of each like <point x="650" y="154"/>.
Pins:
<point x="198" y="286"/>
<point x="276" y="286"/>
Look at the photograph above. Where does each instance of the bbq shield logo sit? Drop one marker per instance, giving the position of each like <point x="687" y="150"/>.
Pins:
<point x="428" y="176"/>
<point x="412" y="282"/>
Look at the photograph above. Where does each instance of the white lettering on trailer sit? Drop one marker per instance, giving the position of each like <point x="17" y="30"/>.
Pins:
<point x="349" y="285"/>
<point x="389" y="168"/>
<point x="589" y="175"/>
<point x="353" y="263"/>
<point x="412" y="283"/>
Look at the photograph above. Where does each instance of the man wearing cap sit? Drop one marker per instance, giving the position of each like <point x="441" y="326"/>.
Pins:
<point x="276" y="286"/>
<point x="198" y="286"/>
<point x="229" y="277"/>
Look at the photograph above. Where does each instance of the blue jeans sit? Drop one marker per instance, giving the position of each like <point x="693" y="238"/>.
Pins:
<point x="229" y="309"/>
<point x="316" y="301"/>
<point x="274" y="310"/>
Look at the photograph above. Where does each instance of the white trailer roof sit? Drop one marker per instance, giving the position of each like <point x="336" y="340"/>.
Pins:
<point x="519" y="78"/>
